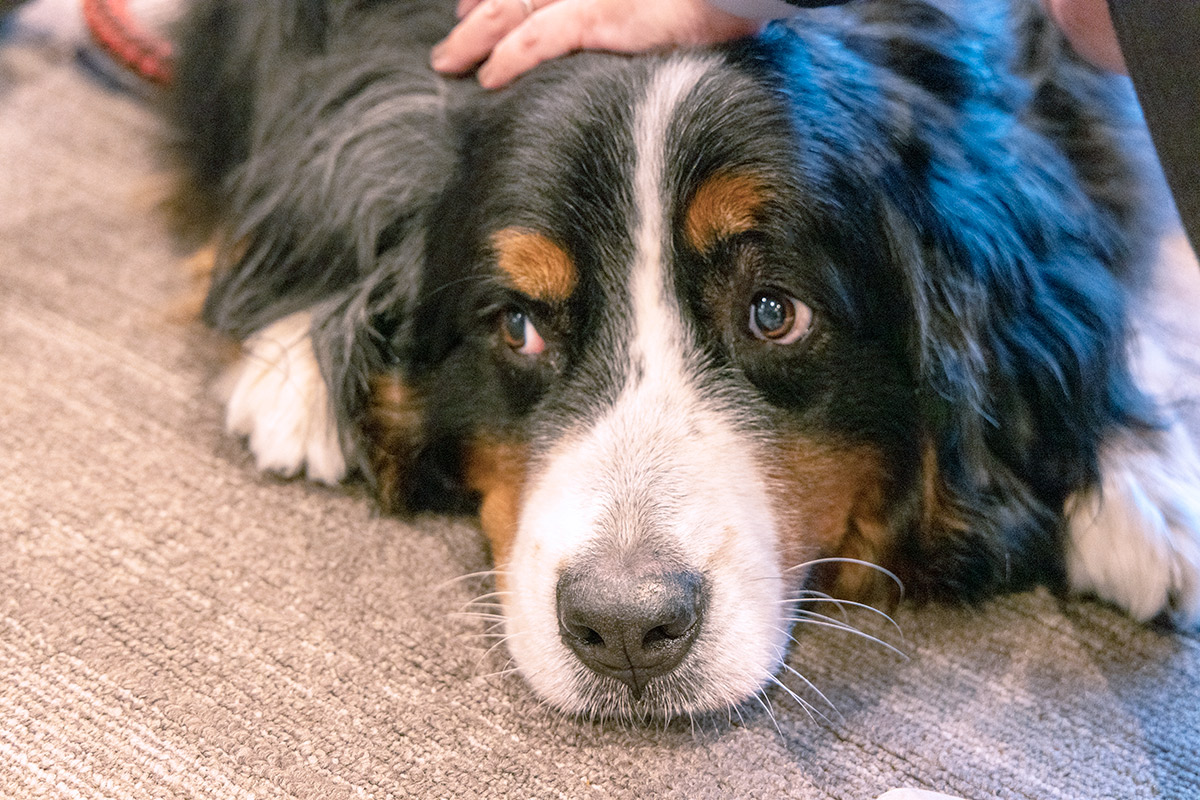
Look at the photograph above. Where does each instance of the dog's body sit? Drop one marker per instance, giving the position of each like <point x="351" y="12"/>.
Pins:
<point x="700" y="332"/>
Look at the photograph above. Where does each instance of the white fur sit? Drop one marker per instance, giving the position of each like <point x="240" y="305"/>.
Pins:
<point x="277" y="398"/>
<point x="646" y="469"/>
<point x="1136" y="541"/>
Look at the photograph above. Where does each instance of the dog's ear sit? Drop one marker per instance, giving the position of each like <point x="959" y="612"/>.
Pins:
<point x="362" y="337"/>
<point x="1017" y="344"/>
<point x="225" y="56"/>
<point x="314" y="179"/>
<point x="313" y="214"/>
<point x="1002" y="190"/>
<point x="1005" y="244"/>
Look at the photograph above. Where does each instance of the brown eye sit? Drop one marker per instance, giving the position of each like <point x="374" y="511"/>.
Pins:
<point x="779" y="318"/>
<point x="518" y="332"/>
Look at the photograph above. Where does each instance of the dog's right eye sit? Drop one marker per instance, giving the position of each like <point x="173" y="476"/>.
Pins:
<point x="519" y="333"/>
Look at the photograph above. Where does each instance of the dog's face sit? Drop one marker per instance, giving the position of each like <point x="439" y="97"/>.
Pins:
<point x="670" y="395"/>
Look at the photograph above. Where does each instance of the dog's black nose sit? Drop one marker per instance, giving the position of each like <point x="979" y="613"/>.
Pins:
<point x="629" y="624"/>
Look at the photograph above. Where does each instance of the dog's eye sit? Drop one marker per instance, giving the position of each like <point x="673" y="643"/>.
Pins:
<point x="779" y="318"/>
<point x="518" y="332"/>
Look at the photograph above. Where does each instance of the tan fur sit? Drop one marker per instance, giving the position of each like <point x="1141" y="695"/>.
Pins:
<point x="198" y="268"/>
<point x="830" y="502"/>
<point x="496" y="469"/>
<point x="394" y="431"/>
<point x="725" y="205"/>
<point x="534" y="265"/>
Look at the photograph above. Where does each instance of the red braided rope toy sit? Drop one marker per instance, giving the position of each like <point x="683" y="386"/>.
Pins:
<point x="127" y="42"/>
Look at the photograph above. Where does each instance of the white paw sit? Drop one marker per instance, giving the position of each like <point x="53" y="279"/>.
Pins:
<point x="277" y="398"/>
<point x="1136" y="541"/>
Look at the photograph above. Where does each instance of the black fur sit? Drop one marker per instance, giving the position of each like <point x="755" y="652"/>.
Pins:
<point x="959" y="197"/>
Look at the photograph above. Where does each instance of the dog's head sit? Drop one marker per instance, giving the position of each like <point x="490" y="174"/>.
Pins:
<point x="705" y="331"/>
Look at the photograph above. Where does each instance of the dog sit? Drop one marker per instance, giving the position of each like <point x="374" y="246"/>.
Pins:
<point x="699" y="335"/>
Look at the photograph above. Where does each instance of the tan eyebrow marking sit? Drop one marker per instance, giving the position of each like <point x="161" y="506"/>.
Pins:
<point x="726" y="204"/>
<point x="535" y="265"/>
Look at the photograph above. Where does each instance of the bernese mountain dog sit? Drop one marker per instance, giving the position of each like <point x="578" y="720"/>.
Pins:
<point x="700" y="335"/>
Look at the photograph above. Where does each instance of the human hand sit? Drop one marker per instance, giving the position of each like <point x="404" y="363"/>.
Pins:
<point x="1088" y="27"/>
<point x="512" y="36"/>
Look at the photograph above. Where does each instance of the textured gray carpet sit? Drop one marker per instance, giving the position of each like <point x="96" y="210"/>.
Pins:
<point x="174" y="625"/>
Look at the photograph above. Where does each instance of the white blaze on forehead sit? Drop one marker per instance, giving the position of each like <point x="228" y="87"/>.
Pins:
<point x="665" y="465"/>
<point x="653" y="304"/>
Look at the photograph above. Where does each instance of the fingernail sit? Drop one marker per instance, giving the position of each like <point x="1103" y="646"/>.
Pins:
<point x="437" y="57"/>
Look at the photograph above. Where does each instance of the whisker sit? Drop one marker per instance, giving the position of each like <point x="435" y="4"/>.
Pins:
<point x="502" y="673"/>
<point x="852" y="604"/>
<point x="498" y="643"/>
<point x="849" y="629"/>
<point x="858" y="561"/>
<point x="482" y="605"/>
<point x="489" y="630"/>
<point x="816" y="597"/>
<point x="762" y="699"/>
<point x="487" y="573"/>
<point x="479" y="640"/>
<point x="806" y="706"/>
<point x="490" y="596"/>
<point x="476" y="615"/>
<point x="818" y="692"/>
<point x="808" y="594"/>
<point x="802" y="614"/>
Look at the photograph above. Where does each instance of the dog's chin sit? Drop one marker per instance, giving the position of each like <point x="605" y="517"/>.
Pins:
<point x="697" y="688"/>
<point x="687" y="693"/>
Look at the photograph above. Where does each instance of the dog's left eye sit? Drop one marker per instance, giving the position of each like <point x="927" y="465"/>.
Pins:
<point x="519" y="333"/>
<point x="779" y="318"/>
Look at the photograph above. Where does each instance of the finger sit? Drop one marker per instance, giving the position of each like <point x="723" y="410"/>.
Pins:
<point x="553" y="31"/>
<point x="1088" y="27"/>
<point x="474" y="37"/>
<point x="464" y="7"/>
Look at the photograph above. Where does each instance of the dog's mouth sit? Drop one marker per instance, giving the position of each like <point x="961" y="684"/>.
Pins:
<point x="689" y="689"/>
<point x="682" y="693"/>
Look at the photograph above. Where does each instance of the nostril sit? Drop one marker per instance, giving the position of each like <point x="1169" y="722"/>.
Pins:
<point x="676" y="629"/>
<point x="578" y="624"/>
<point x="586" y="636"/>
<point x="682" y="624"/>
<point x="656" y="635"/>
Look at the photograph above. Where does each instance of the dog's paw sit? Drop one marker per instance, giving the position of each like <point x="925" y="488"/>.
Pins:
<point x="1135" y="541"/>
<point x="277" y="399"/>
